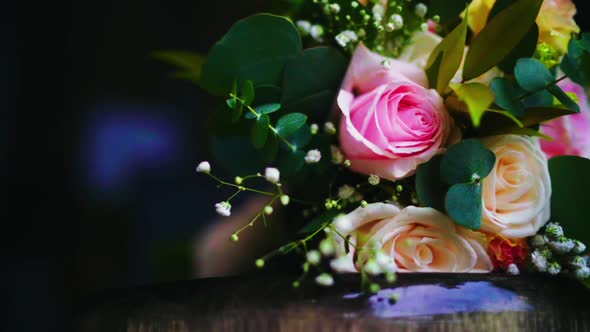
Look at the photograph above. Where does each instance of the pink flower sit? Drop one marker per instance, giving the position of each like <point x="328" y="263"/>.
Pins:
<point x="570" y="132"/>
<point x="390" y="122"/>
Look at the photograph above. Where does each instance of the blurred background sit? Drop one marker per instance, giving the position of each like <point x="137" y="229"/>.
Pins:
<point x="99" y="159"/>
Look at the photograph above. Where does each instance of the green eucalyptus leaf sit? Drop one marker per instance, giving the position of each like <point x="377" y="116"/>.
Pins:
<point x="260" y="131"/>
<point x="270" y="150"/>
<point x="463" y="204"/>
<point x="255" y="48"/>
<point x="301" y="138"/>
<point x="316" y="70"/>
<point x="248" y="92"/>
<point x="263" y="109"/>
<point x="500" y="36"/>
<point x="570" y="180"/>
<point x="430" y="189"/>
<point x="507" y="94"/>
<point x="476" y="96"/>
<point x="466" y="162"/>
<point x="231" y="103"/>
<point x="267" y="94"/>
<point x="237" y="112"/>
<point x="445" y="59"/>
<point x="532" y="75"/>
<point x="495" y="124"/>
<point x="576" y="63"/>
<point x="563" y="98"/>
<point x="538" y="100"/>
<point x="291" y="162"/>
<point x="290" y="123"/>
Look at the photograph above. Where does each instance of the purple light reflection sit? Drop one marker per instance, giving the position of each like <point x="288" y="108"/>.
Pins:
<point x="428" y="300"/>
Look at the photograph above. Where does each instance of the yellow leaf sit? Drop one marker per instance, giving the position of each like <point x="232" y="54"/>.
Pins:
<point x="477" y="96"/>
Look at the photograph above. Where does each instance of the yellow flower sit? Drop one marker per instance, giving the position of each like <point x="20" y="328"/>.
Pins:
<point x="555" y="20"/>
<point x="556" y="23"/>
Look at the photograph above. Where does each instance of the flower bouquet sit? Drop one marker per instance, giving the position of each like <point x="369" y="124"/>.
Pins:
<point x="407" y="137"/>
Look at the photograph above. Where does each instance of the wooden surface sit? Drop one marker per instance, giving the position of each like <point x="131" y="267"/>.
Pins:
<point x="440" y="302"/>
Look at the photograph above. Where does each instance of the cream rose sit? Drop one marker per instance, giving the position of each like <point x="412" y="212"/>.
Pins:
<point x="418" y="239"/>
<point x="517" y="192"/>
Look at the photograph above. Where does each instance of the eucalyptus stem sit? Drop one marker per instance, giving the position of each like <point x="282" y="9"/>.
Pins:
<point x="530" y="93"/>
<point x="257" y="115"/>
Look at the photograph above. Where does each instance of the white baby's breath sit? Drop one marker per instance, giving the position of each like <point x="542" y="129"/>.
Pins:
<point x="223" y="209"/>
<point x="313" y="156"/>
<point x="272" y="174"/>
<point x="204" y="167"/>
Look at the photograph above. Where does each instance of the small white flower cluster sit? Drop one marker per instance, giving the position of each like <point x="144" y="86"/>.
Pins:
<point x="346" y="37"/>
<point x="373" y="261"/>
<point x="313" y="156"/>
<point x="223" y="208"/>
<point x="305" y="28"/>
<point x="554" y="253"/>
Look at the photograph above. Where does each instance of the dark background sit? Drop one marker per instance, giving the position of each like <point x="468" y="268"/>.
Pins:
<point x="99" y="148"/>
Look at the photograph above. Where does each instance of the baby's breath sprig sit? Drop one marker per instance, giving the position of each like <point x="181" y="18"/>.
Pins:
<point x="271" y="175"/>
<point x="554" y="253"/>
<point x="383" y="26"/>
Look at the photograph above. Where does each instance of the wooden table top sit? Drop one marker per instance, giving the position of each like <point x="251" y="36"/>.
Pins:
<point x="441" y="302"/>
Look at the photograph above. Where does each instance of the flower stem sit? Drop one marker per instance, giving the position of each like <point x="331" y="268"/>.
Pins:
<point x="272" y="129"/>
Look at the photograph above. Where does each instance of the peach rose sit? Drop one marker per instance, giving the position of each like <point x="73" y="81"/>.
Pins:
<point x="517" y="192"/>
<point x="390" y="122"/>
<point x="555" y="20"/>
<point x="418" y="239"/>
<point x="570" y="132"/>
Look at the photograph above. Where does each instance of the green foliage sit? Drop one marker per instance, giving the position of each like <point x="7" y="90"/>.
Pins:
<point x="248" y="93"/>
<point x="312" y="79"/>
<point x="570" y="180"/>
<point x="503" y="33"/>
<point x="255" y="48"/>
<point x="291" y="162"/>
<point x="476" y="96"/>
<point x="445" y="59"/>
<point x="576" y="63"/>
<point x="188" y="64"/>
<point x="495" y="124"/>
<point x="525" y="48"/>
<point x="263" y="109"/>
<point x="466" y="162"/>
<point x="463" y="204"/>
<point x="532" y="76"/>
<point x="430" y="189"/>
<point x="453" y="181"/>
<point x="507" y="94"/>
<point x="288" y="124"/>
<point x="300" y="138"/>
<point x="260" y="131"/>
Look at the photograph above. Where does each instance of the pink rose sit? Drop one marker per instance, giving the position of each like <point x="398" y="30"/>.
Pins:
<point x="417" y="239"/>
<point x="390" y="122"/>
<point x="570" y="132"/>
